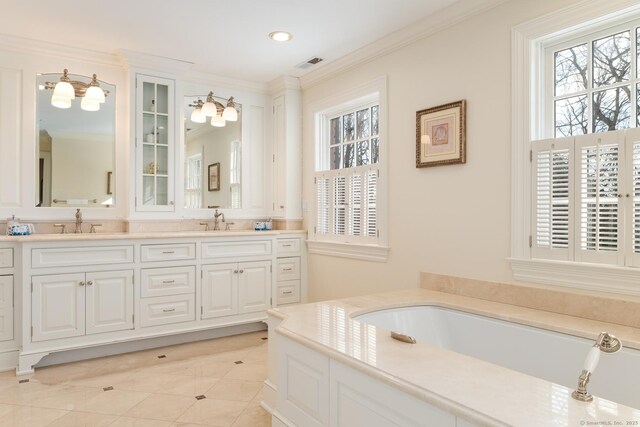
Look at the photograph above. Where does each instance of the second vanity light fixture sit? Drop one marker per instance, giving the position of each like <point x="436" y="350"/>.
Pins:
<point x="211" y="108"/>
<point x="66" y="90"/>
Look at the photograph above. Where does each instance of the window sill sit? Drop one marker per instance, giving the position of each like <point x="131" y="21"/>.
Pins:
<point x="584" y="276"/>
<point x="349" y="250"/>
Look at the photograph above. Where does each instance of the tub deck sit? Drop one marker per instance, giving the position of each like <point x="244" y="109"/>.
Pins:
<point x="481" y="392"/>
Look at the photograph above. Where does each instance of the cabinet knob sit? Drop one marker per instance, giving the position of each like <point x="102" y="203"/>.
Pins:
<point x="81" y="283"/>
<point x="241" y="271"/>
<point x="235" y="271"/>
<point x="90" y="282"/>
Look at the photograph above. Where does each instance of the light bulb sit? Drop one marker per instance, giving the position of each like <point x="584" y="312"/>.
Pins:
<point x="217" y="121"/>
<point x="209" y="109"/>
<point x="197" y="116"/>
<point x="230" y="114"/>
<point x="95" y="93"/>
<point x="280" y="36"/>
<point x="64" y="89"/>
<point x="89" y="104"/>
<point x="60" y="101"/>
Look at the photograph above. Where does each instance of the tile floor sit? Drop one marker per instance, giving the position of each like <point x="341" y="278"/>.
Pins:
<point x="212" y="383"/>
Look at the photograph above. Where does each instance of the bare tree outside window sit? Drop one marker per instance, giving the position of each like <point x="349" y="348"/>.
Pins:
<point x="603" y="103"/>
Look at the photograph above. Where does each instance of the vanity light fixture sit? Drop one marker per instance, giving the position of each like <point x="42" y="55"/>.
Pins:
<point x="196" y="114"/>
<point x="67" y="90"/>
<point x="280" y="36"/>
<point x="211" y="108"/>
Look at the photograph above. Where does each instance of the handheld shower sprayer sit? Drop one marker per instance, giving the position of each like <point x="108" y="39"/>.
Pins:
<point x="606" y="343"/>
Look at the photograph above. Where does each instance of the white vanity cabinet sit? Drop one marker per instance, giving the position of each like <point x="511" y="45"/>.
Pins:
<point x="80" y="292"/>
<point x="75" y="304"/>
<point x="236" y="288"/>
<point x="290" y="268"/>
<point x="6" y="307"/>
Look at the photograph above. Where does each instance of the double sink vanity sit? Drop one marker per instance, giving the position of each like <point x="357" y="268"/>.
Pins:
<point x="73" y="291"/>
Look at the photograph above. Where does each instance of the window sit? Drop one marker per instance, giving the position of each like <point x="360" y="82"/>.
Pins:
<point x="347" y="193"/>
<point x="575" y="149"/>
<point x="193" y="178"/>
<point x="234" y="175"/>
<point x="594" y="83"/>
<point x="349" y="184"/>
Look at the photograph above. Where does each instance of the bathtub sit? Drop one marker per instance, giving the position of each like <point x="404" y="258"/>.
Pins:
<point x="545" y="354"/>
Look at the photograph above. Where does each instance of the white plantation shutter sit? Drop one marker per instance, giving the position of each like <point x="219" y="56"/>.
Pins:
<point x="372" y="203"/>
<point x="322" y="205"/>
<point x="355" y="204"/>
<point x="632" y="197"/>
<point x="346" y="204"/>
<point x="600" y="160"/>
<point x="553" y="199"/>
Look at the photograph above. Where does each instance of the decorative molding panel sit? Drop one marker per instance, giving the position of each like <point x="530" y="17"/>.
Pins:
<point x="10" y="137"/>
<point x="349" y="250"/>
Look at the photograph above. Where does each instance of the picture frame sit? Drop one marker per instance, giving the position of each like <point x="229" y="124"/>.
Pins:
<point x="441" y="135"/>
<point x="214" y="177"/>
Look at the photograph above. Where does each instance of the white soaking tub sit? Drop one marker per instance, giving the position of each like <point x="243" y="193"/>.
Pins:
<point x="552" y="356"/>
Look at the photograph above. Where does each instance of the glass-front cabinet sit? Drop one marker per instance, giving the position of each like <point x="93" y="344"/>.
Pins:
<point x="155" y="143"/>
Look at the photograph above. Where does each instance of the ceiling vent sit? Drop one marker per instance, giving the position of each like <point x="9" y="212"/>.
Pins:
<point x="309" y="63"/>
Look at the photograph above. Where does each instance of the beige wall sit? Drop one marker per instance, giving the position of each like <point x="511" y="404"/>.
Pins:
<point x="451" y="220"/>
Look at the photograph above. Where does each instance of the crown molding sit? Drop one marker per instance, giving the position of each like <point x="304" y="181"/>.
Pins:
<point x="132" y="59"/>
<point x="283" y="83"/>
<point x="441" y="20"/>
<point x="37" y="47"/>
<point x="226" y="82"/>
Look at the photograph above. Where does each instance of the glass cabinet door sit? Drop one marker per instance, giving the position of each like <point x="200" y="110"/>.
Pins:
<point x="154" y="143"/>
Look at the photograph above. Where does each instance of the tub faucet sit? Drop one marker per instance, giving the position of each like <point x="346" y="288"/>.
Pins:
<point x="78" y="221"/>
<point x="606" y="343"/>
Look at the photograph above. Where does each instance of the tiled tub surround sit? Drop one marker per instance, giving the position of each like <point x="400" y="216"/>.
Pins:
<point x="469" y="389"/>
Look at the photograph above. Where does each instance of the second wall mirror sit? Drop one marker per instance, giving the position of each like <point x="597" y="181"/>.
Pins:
<point x="213" y="157"/>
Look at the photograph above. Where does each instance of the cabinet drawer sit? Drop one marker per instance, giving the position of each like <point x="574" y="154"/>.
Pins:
<point x="165" y="310"/>
<point x="236" y="249"/>
<point x="6" y="258"/>
<point x="288" y="292"/>
<point x="63" y="257"/>
<point x="288" y="247"/>
<point x="288" y="269"/>
<point x="172" y="252"/>
<point x="158" y="282"/>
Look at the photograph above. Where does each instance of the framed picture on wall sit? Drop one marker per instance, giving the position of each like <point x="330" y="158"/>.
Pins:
<point x="214" y="177"/>
<point x="441" y="135"/>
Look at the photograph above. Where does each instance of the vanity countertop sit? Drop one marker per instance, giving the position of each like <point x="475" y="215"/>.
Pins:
<point x="481" y="392"/>
<point x="70" y="237"/>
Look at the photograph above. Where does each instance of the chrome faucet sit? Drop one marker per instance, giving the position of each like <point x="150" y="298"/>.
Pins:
<point x="78" y="221"/>
<point x="606" y="343"/>
<point x="216" y="220"/>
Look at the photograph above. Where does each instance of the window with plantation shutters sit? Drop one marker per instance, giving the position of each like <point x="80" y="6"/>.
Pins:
<point x="553" y="204"/>
<point x="347" y="185"/>
<point x="586" y="198"/>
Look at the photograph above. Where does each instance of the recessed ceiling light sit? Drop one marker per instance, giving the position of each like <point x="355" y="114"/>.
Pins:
<point x="280" y="36"/>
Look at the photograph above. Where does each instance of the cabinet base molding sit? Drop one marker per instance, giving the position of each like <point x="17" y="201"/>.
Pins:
<point x="27" y="362"/>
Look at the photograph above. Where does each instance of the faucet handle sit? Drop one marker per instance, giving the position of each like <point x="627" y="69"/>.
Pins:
<point x="227" y="224"/>
<point x="206" y="225"/>
<point x="93" y="228"/>
<point x="63" y="228"/>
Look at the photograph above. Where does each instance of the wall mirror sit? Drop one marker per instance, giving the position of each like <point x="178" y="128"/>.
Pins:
<point x="76" y="145"/>
<point x="212" y="159"/>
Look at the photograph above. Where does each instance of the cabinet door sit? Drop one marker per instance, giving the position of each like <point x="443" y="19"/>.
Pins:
<point x="219" y="290"/>
<point x="57" y="306"/>
<point x="154" y="143"/>
<point x="109" y="301"/>
<point x="254" y="286"/>
<point x="6" y="308"/>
